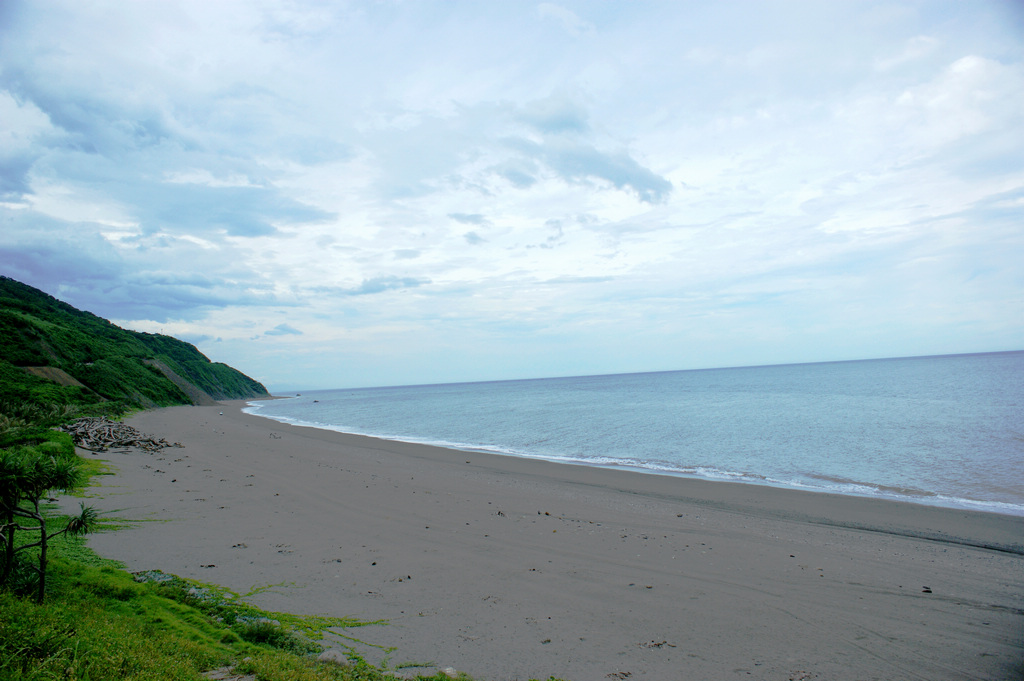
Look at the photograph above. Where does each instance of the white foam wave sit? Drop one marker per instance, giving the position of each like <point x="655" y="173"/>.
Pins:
<point x="811" y="483"/>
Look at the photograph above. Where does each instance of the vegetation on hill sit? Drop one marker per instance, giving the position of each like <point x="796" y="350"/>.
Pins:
<point x="95" y="363"/>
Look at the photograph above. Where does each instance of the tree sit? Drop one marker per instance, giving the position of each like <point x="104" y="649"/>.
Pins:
<point x="27" y="475"/>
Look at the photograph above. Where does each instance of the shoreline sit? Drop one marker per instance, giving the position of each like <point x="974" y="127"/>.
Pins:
<point x="506" y="567"/>
<point x="920" y="497"/>
<point x="919" y="525"/>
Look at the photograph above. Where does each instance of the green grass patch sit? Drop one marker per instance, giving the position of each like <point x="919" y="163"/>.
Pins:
<point x="98" y="624"/>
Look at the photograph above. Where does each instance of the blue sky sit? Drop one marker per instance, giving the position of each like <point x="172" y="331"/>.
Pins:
<point x="375" y="193"/>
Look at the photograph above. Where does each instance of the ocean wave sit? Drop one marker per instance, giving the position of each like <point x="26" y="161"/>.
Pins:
<point x="897" y="490"/>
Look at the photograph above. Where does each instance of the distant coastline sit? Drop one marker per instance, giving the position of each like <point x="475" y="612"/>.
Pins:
<point x="293" y="392"/>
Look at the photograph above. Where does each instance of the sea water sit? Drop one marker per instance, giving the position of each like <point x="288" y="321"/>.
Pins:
<point x="946" y="431"/>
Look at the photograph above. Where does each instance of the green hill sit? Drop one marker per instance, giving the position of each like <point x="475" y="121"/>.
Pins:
<point x="54" y="354"/>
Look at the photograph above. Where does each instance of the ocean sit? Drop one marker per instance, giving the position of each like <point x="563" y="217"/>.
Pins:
<point x="945" y="431"/>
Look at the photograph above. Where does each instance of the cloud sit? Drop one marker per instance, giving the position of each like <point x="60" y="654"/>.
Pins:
<point x="578" y="162"/>
<point x="195" y="338"/>
<point x="313" y="149"/>
<point x="374" y="285"/>
<point x="519" y="175"/>
<point x="469" y="218"/>
<point x="569" y="20"/>
<point x="14" y="169"/>
<point x="168" y="161"/>
<point x="555" y="115"/>
<point x="23" y="135"/>
<point x="114" y="281"/>
<point x="202" y="176"/>
<point x="243" y="211"/>
<point x="428" y="154"/>
<point x="959" y="102"/>
<point x="283" y="330"/>
<point x="90" y="121"/>
<point x="579" y="280"/>
<point x="50" y="266"/>
<point x="917" y="47"/>
<point x="603" y="173"/>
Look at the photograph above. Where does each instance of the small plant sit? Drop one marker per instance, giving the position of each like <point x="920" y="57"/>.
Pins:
<point x="269" y="633"/>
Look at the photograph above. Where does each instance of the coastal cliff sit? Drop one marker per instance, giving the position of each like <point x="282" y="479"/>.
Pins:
<point x="53" y="353"/>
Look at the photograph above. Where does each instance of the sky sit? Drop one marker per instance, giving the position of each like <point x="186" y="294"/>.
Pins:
<point x="346" y="194"/>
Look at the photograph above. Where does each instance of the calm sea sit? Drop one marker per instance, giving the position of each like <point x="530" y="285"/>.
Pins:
<point x="947" y="430"/>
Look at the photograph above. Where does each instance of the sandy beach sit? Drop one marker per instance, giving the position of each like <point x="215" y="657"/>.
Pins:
<point x="509" y="568"/>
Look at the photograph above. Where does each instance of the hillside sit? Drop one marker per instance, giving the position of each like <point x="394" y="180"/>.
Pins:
<point x="54" y="354"/>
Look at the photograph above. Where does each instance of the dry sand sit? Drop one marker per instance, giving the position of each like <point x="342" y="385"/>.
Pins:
<point x="509" y="568"/>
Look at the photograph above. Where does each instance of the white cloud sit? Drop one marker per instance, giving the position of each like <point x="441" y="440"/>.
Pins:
<point x="283" y="330"/>
<point x="963" y="100"/>
<point x="205" y="177"/>
<point x="569" y="20"/>
<point x="437" y="189"/>
<point x="917" y="47"/>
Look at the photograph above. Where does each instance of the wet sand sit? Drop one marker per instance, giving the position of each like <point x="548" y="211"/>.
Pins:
<point x="509" y="568"/>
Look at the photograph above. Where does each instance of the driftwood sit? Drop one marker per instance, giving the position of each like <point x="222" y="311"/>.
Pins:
<point x="100" y="434"/>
